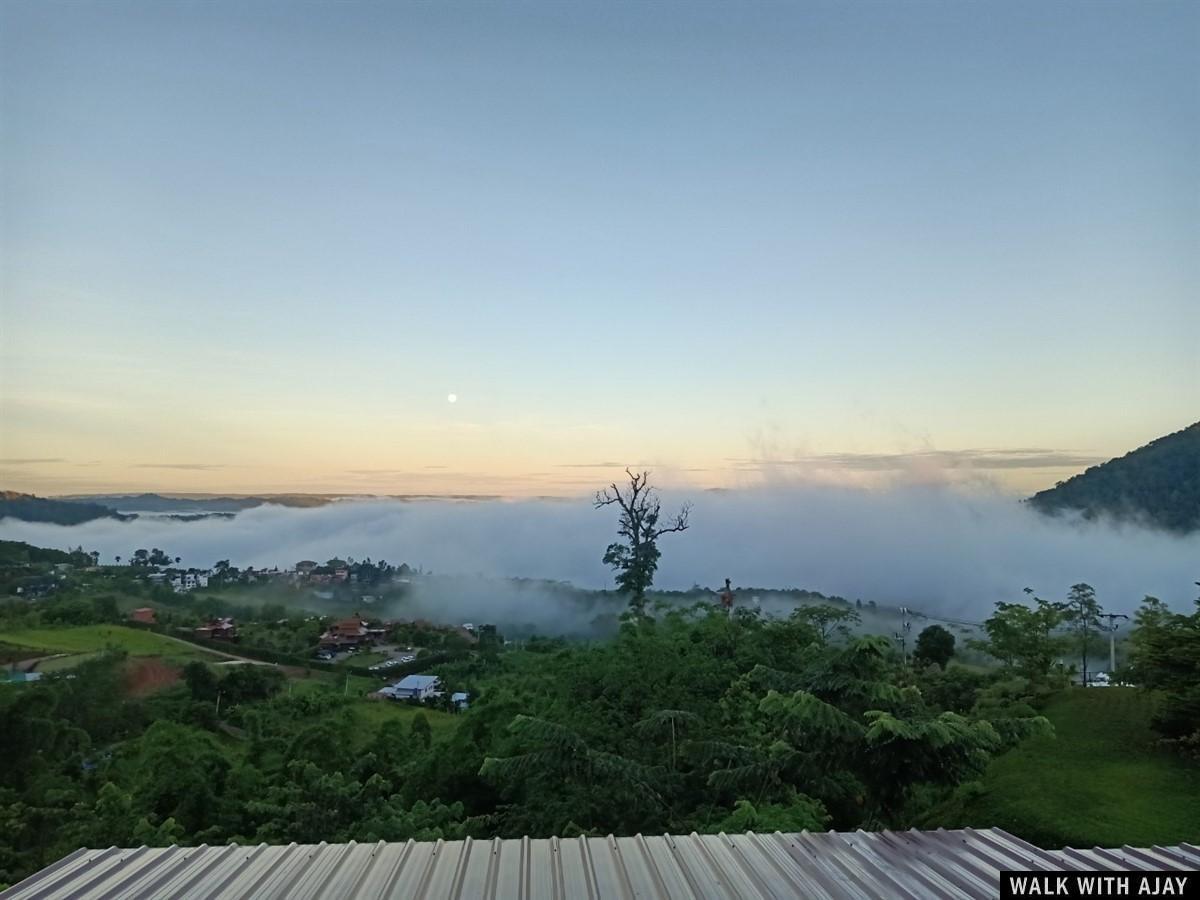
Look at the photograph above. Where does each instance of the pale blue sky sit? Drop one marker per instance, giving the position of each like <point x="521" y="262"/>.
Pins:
<point x="255" y="245"/>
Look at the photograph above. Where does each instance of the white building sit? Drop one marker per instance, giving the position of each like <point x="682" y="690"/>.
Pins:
<point x="412" y="687"/>
<point x="188" y="581"/>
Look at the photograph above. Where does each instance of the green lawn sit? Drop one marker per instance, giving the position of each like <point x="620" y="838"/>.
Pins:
<point x="318" y="680"/>
<point x="373" y="713"/>
<point x="93" y="638"/>
<point x="1099" y="782"/>
<point x="370" y="714"/>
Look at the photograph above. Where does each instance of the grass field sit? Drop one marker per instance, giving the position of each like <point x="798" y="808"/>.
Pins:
<point x="1099" y="782"/>
<point x="373" y="713"/>
<point x="94" y="638"/>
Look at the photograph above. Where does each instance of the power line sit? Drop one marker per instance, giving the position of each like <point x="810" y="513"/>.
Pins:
<point x="921" y="615"/>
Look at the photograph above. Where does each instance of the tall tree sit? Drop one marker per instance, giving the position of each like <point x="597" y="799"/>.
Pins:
<point x="1024" y="638"/>
<point x="934" y="645"/>
<point x="420" y="730"/>
<point x="635" y="556"/>
<point x="1166" y="658"/>
<point x="1083" y="612"/>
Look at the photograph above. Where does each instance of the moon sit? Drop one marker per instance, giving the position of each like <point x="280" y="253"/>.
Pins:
<point x="452" y="398"/>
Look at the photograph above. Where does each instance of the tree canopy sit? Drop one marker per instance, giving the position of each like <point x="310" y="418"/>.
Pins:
<point x="934" y="645"/>
<point x="635" y="557"/>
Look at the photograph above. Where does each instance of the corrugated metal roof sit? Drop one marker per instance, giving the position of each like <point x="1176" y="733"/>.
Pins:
<point x="902" y="864"/>
<point x="416" y="682"/>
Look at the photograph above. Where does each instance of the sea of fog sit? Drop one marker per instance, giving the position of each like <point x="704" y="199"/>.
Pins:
<point x="941" y="549"/>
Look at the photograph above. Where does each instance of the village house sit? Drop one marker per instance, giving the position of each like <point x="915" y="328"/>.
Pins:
<point x="37" y="587"/>
<point x="182" y="582"/>
<point x="411" y="687"/>
<point x="217" y="630"/>
<point x="351" y="632"/>
<point x="145" y="615"/>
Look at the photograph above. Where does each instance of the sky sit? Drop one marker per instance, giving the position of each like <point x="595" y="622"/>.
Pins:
<point x="259" y="246"/>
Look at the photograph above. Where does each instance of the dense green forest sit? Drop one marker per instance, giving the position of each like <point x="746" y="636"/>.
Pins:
<point x="695" y="720"/>
<point x="692" y="722"/>
<point x="1159" y="483"/>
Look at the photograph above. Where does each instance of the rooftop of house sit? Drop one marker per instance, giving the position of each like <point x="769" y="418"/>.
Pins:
<point x="821" y="866"/>
<point x="416" y="682"/>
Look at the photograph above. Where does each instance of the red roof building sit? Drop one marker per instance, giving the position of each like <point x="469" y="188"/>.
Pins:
<point x="351" y="632"/>
<point x="217" y="630"/>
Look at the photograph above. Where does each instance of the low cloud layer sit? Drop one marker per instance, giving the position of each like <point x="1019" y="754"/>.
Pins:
<point x="936" y="460"/>
<point x="936" y="548"/>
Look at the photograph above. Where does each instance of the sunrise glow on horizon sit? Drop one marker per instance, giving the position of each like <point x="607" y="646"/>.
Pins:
<point x="407" y="248"/>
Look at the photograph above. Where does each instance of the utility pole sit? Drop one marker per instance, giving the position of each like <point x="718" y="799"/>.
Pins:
<point x="1112" y="639"/>
<point x="902" y="634"/>
<point x="218" y="704"/>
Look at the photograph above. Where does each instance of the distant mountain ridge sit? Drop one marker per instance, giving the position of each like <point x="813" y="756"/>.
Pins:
<point x="1158" y="483"/>
<point x="29" y="508"/>
<point x="75" y="509"/>
<point x="160" y="503"/>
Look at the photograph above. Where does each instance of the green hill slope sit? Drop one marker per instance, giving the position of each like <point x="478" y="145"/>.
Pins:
<point x="1100" y="781"/>
<point x="1159" y="482"/>
<point x="39" y="509"/>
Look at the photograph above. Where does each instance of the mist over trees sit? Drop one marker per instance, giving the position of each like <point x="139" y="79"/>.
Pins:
<point x="938" y="549"/>
<point x="688" y="719"/>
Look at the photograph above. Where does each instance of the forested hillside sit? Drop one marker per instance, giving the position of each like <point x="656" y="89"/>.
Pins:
<point x="60" y="512"/>
<point x="18" y="553"/>
<point x="1159" y="483"/>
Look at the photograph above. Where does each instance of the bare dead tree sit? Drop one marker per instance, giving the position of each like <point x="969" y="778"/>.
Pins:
<point x="635" y="556"/>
